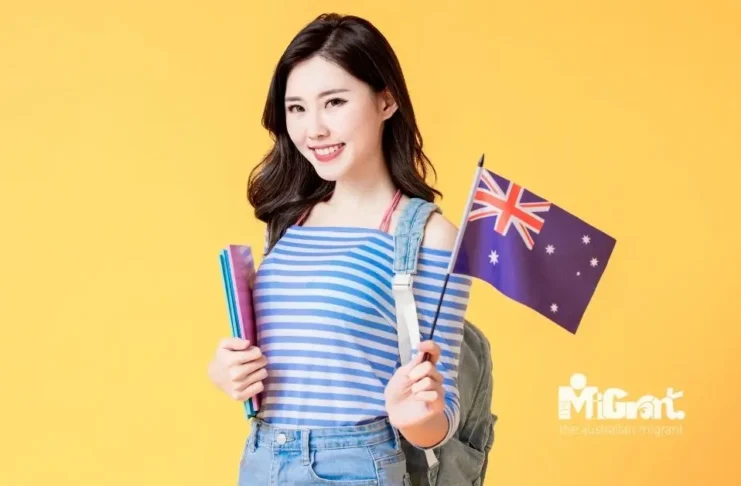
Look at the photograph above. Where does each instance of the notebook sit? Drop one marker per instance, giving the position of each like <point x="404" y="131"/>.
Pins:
<point x="238" y="273"/>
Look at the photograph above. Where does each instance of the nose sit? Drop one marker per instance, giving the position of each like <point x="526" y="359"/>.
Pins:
<point x="316" y="128"/>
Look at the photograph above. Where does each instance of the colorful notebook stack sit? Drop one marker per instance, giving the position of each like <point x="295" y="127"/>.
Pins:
<point x="238" y="272"/>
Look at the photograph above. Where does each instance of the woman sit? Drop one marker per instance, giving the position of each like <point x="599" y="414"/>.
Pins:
<point x="346" y="161"/>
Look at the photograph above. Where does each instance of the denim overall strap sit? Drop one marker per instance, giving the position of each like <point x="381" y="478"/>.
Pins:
<point x="408" y="237"/>
<point x="410" y="230"/>
<point x="407" y="242"/>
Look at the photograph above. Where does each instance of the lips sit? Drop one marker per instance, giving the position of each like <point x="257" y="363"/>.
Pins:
<point x="328" y="152"/>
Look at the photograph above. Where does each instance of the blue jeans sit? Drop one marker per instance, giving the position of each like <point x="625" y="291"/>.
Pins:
<point x="364" y="455"/>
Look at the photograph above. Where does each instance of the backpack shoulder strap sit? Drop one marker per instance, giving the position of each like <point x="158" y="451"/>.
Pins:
<point x="408" y="237"/>
<point x="410" y="229"/>
<point x="407" y="241"/>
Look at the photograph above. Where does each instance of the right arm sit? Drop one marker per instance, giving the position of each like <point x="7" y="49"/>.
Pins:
<point x="237" y="367"/>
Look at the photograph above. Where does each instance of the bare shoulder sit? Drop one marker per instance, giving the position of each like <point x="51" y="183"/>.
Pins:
<point x="440" y="233"/>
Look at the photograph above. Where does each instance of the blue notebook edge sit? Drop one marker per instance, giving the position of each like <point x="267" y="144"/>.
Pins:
<point x="226" y="273"/>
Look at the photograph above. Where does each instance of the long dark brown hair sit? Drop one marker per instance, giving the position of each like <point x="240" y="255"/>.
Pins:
<point x="284" y="184"/>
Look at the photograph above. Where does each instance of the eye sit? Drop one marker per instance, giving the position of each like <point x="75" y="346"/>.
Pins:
<point x="336" y="102"/>
<point x="290" y="108"/>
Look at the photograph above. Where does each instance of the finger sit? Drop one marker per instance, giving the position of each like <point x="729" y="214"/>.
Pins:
<point x="428" y="396"/>
<point x="248" y="392"/>
<point x="425" y="384"/>
<point x="234" y="344"/>
<point x="425" y="369"/>
<point x="432" y="349"/>
<point x="420" y="370"/>
<point x="437" y="376"/>
<point x="416" y="359"/>
<point x="238" y="373"/>
<point x="436" y="405"/>
<point x="242" y="357"/>
<point x="255" y="377"/>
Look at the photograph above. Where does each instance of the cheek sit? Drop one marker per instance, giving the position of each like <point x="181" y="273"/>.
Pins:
<point x="294" y="130"/>
<point x="297" y="134"/>
<point x="358" y="127"/>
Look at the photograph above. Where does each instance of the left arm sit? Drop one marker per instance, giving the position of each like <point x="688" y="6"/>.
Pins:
<point x="433" y="384"/>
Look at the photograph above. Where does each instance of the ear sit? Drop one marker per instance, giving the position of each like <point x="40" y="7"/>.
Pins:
<point x="388" y="104"/>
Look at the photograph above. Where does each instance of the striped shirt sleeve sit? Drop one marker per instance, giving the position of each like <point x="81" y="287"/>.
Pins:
<point x="449" y="327"/>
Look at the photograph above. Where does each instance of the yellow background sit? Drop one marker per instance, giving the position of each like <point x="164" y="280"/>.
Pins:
<point x="127" y="131"/>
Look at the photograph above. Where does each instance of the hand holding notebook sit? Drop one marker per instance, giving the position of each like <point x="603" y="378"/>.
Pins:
<point x="238" y="273"/>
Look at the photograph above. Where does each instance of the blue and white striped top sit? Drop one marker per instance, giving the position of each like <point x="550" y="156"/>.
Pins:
<point x="326" y="324"/>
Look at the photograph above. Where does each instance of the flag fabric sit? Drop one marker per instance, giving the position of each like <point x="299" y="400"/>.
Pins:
<point x="532" y="250"/>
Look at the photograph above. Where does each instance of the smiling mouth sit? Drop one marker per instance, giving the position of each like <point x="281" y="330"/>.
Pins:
<point x="328" y="150"/>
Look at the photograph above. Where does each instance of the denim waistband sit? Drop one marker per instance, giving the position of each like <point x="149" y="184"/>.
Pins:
<point x="300" y="439"/>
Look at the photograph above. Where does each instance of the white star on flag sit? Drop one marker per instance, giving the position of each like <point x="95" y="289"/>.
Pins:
<point x="554" y="308"/>
<point x="493" y="257"/>
<point x="586" y="239"/>
<point x="550" y="249"/>
<point x="593" y="262"/>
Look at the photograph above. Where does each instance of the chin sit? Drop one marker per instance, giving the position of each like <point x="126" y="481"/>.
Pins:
<point x="330" y="174"/>
<point x="331" y="171"/>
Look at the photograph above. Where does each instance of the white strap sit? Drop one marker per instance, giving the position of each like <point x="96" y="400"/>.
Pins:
<point x="408" y="328"/>
<point x="431" y="458"/>
<point x="406" y="316"/>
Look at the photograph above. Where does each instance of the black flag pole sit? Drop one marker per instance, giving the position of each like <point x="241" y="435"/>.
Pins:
<point x="456" y="247"/>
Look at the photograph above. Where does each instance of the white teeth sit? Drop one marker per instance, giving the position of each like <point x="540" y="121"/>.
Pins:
<point x="327" y="150"/>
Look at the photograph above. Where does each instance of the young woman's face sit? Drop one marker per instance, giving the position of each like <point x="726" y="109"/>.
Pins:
<point x="334" y="119"/>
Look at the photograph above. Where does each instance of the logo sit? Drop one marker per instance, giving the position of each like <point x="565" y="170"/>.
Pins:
<point x="611" y="404"/>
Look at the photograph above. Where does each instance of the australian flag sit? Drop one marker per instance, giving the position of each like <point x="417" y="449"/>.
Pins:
<point x="532" y="250"/>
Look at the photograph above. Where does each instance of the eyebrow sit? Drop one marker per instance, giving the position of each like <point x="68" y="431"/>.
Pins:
<point x="322" y="94"/>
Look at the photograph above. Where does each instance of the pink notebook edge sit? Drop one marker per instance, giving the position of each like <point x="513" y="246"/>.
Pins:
<point x="243" y="275"/>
